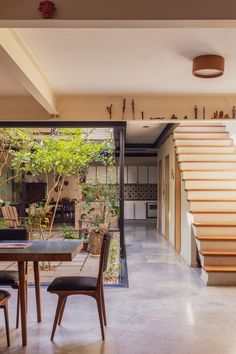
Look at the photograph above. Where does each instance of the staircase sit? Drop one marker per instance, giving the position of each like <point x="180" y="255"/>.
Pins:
<point x="207" y="159"/>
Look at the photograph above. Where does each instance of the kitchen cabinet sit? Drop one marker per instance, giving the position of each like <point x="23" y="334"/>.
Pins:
<point x="140" y="210"/>
<point x="142" y="174"/>
<point x="132" y="174"/>
<point x="129" y="210"/>
<point x="152" y="174"/>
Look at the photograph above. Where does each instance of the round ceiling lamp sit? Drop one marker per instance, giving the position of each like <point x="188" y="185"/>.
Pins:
<point x="208" y="66"/>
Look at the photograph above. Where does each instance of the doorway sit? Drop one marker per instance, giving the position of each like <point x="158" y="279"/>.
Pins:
<point x="167" y="197"/>
<point x="177" y="206"/>
<point x="160" y="196"/>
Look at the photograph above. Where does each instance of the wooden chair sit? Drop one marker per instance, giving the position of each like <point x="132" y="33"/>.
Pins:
<point x="10" y="214"/>
<point x="82" y="285"/>
<point x="4" y="297"/>
<point x="10" y="277"/>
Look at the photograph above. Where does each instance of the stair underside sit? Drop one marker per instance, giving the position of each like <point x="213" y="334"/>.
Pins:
<point x="215" y="232"/>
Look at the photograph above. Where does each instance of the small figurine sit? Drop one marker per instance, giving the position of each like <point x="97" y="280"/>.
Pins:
<point x="133" y="108"/>
<point x="215" y="115"/>
<point x="203" y="113"/>
<point x="142" y="114"/>
<point x="109" y="110"/>
<point x="173" y="117"/>
<point x="123" y="109"/>
<point x="226" y="116"/>
<point x="195" y="111"/>
<point x="185" y="117"/>
<point x="221" y="114"/>
<point x="234" y="112"/>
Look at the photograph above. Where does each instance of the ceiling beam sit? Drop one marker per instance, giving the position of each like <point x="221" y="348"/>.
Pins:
<point x="80" y="10"/>
<point x="166" y="132"/>
<point x="19" y="61"/>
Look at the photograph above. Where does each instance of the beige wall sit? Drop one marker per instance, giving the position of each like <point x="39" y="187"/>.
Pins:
<point x="188" y="245"/>
<point x="168" y="149"/>
<point x="94" y="107"/>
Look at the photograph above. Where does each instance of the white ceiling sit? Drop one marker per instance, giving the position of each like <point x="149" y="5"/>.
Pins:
<point x="131" y="61"/>
<point x="137" y="134"/>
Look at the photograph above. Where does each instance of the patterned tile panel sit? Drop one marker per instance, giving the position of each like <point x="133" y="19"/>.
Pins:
<point x="140" y="192"/>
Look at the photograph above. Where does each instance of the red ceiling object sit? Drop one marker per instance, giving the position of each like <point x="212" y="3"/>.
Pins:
<point x="47" y="8"/>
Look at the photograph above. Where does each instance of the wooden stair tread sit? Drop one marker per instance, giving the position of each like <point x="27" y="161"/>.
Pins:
<point x="214" y="224"/>
<point x="211" y="200"/>
<point x="216" y="238"/>
<point x="210" y="190"/>
<point x="206" y="153"/>
<point x="212" y="212"/>
<point x="209" y="179"/>
<point x="207" y="161"/>
<point x="222" y="269"/>
<point x="204" y="145"/>
<point x="178" y="138"/>
<point x="217" y="253"/>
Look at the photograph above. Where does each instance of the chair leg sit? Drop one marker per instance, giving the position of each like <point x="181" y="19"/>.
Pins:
<point x="62" y="311"/>
<point x="103" y="307"/>
<point x="17" y="309"/>
<point x="57" y="315"/>
<point x="99" y="306"/>
<point x="5" y="308"/>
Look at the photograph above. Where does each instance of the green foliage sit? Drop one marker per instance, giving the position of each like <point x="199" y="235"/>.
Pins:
<point x="38" y="217"/>
<point x="100" y="203"/>
<point x="66" y="152"/>
<point x="113" y="265"/>
<point x="69" y="232"/>
<point x="3" y="224"/>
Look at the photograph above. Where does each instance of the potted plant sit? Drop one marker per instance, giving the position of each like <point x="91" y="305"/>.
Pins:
<point x="69" y="233"/>
<point x="100" y="205"/>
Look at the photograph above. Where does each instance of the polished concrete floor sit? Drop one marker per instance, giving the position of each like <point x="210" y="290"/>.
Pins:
<point x="165" y="310"/>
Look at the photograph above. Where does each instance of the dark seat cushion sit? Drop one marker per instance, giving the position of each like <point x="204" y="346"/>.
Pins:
<point x="9" y="277"/>
<point x="20" y="234"/>
<point x="3" y="295"/>
<point x="73" y="284"/>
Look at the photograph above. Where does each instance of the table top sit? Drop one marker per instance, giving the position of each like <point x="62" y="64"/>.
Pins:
<point x="48" y="250"/>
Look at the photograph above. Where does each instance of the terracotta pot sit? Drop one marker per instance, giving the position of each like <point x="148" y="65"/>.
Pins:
<point x="95" y="242"/>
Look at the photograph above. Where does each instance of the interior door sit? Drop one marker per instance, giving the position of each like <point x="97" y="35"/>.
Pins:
<point x="167" y="197"/>
<point x="160" y="196"/>
<point x="177" y="206"/>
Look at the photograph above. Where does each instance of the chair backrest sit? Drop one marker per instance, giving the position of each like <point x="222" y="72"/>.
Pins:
<point x="14" y="234"/>
<point x="10" y="214"/>
<point x="103" y="258"/>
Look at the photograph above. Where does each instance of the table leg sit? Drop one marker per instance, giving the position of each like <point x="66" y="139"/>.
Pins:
<point x="22" y="294"/>
<point x="37" y="290"/>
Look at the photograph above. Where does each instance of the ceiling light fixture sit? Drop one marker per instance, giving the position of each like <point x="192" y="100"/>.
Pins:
<point x="208" y="66"/>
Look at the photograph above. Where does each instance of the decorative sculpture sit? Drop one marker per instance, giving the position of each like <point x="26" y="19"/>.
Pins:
<point x="47" y="8"/>
<point x="109" y="110"/>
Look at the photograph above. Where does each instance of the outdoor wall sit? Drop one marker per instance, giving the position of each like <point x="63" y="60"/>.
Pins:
<point x="6" y="188"/>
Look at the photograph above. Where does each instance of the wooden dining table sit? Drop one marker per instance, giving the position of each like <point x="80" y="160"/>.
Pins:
<point x="36" y="251"/>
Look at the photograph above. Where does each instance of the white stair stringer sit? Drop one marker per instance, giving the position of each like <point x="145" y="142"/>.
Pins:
<point x="207" y="160"/>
